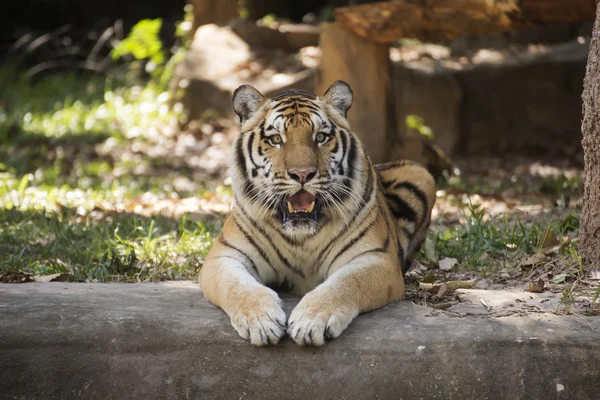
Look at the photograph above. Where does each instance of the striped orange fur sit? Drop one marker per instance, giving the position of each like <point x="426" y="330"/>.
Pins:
<point x="311" y="216"/>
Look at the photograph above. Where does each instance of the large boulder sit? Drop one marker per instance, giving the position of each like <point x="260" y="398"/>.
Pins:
<point x="219" y="61"/>
<point x="522" y="98"/>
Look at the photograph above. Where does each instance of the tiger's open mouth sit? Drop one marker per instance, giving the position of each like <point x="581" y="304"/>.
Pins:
<point x="300" y="206"/>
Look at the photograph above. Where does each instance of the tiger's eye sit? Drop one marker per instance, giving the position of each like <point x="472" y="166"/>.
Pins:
<point x="321" y="137"/>
<point x="275" y="139"/>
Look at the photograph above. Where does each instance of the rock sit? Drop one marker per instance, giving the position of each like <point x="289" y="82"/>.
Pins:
<point x="289" y="37"/>
<point x="214" y="67"/>
<point x="446" y="264"/>
<point x="213" y="12"/>
<point x="524" y="98"/>
<point x="165" y="341"/>
<point x="431" y="93"/>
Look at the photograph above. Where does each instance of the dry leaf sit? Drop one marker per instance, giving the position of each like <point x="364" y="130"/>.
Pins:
<point x="446" y="264"/>
<point x="429" y="278"/>
<point x="486" y="305"/>
<point x="451" y="285"/>
<point x="64" y="277"/>
<point x="536" y="286"/>
<point x="442" y="291"/>
<point x="15" y="276"/>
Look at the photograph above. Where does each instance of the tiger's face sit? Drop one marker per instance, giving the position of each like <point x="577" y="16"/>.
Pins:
<point x="297" y="164"/>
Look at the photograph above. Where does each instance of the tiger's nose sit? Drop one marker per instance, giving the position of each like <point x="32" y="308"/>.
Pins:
<point x="302" y="175"/>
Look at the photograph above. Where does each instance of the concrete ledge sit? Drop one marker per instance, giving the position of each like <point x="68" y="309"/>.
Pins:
<point x="164" y="341"/>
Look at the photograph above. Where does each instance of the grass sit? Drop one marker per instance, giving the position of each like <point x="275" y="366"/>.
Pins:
<point x="55" y="178"/>
<point x="119" y="247"/>
<point x="488" y="244"/>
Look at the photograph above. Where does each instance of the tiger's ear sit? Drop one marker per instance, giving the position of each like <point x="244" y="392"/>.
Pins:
<point x="339" y="95"/>
<point x="246" y="101"/>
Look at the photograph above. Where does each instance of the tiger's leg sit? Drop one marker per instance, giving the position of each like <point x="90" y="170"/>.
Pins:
<point x="366" y="283"/>
<point x="255" y="310"/>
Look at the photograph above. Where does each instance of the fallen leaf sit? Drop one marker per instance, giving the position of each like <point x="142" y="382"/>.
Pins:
<point x="446" y="264"/>
<point x="15" y="276"/>
<point x="443" y="289"/>
<point x="560" y="278"/>
<point x="429" y="278"/>
<point x="451" y="285"/>
<point x="594" y="276"/>
<point x="486" y="305"/>
<point x="64" y="277"/>
<point x="63" y="264"/>
<point x="536" y="286"/>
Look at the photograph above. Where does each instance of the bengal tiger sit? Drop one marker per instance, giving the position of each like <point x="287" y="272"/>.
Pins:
<point x="313" y="216"/>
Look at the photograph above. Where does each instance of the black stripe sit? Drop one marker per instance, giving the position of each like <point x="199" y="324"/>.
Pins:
<point x="253" y="243"/>
<point x="224" y="242"/>
<point x="258" y="227"/>
<point x="417" y="193"/>
<point x="351" y="243"/>
<point x="399" y="208"/>
<point x="368" y="192"/>
<point x="250" y="140"/>
<point x="384" y="183"/>
<point x="239" y="156"/>
<point x="369" y="186"/>
<point x="395" y="164"/>
<point x="351" y="157"/>
<point x="241" y="164"/>
<point x="403" y="267"/>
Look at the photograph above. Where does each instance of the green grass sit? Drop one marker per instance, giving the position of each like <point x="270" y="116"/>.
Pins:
<point x="119" y="247"/>
<point x="54" y="179"/>
<point x="488" y="244"/>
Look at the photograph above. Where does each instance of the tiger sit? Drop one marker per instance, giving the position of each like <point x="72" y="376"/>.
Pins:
<point x="311" y="215"/>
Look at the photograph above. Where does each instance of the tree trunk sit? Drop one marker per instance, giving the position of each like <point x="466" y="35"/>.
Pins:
<point x="443" y="20"/>
<point x="365" y="66"/>
<point x="589" y="235"/>
<point x="218" y="12"/>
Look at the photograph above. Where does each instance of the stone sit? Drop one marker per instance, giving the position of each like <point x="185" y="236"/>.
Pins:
<point x="165" y="341"/>
<point x="432" y="93"/>
<point x="289" y="37"/>
<point x="522" y="99"/>
<point x="212" y="70"/>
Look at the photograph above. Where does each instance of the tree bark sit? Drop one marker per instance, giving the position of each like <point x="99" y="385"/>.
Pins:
<point x="218" y="12"/>
<point x="443" y="20"/>
<point x="365" y="66"/>
<point x="589" y="235"/>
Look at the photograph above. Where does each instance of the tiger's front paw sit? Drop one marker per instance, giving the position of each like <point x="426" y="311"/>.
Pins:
<point x="260" y="318"/>
<point x="317" y="318"/>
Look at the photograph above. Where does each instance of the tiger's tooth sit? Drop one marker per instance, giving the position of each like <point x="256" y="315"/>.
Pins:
<point x="290" y="208"/>
<point x="311" y="207"/>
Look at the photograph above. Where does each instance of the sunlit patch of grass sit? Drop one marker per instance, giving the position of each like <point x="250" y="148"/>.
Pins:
<point x="67" y="149"/>
<point x="52" y="127"/>
<point x="119" y="247"/>
<point x="489" y="244"/>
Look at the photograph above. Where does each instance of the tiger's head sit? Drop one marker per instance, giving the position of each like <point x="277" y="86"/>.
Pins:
<point x="296" y="163"/>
